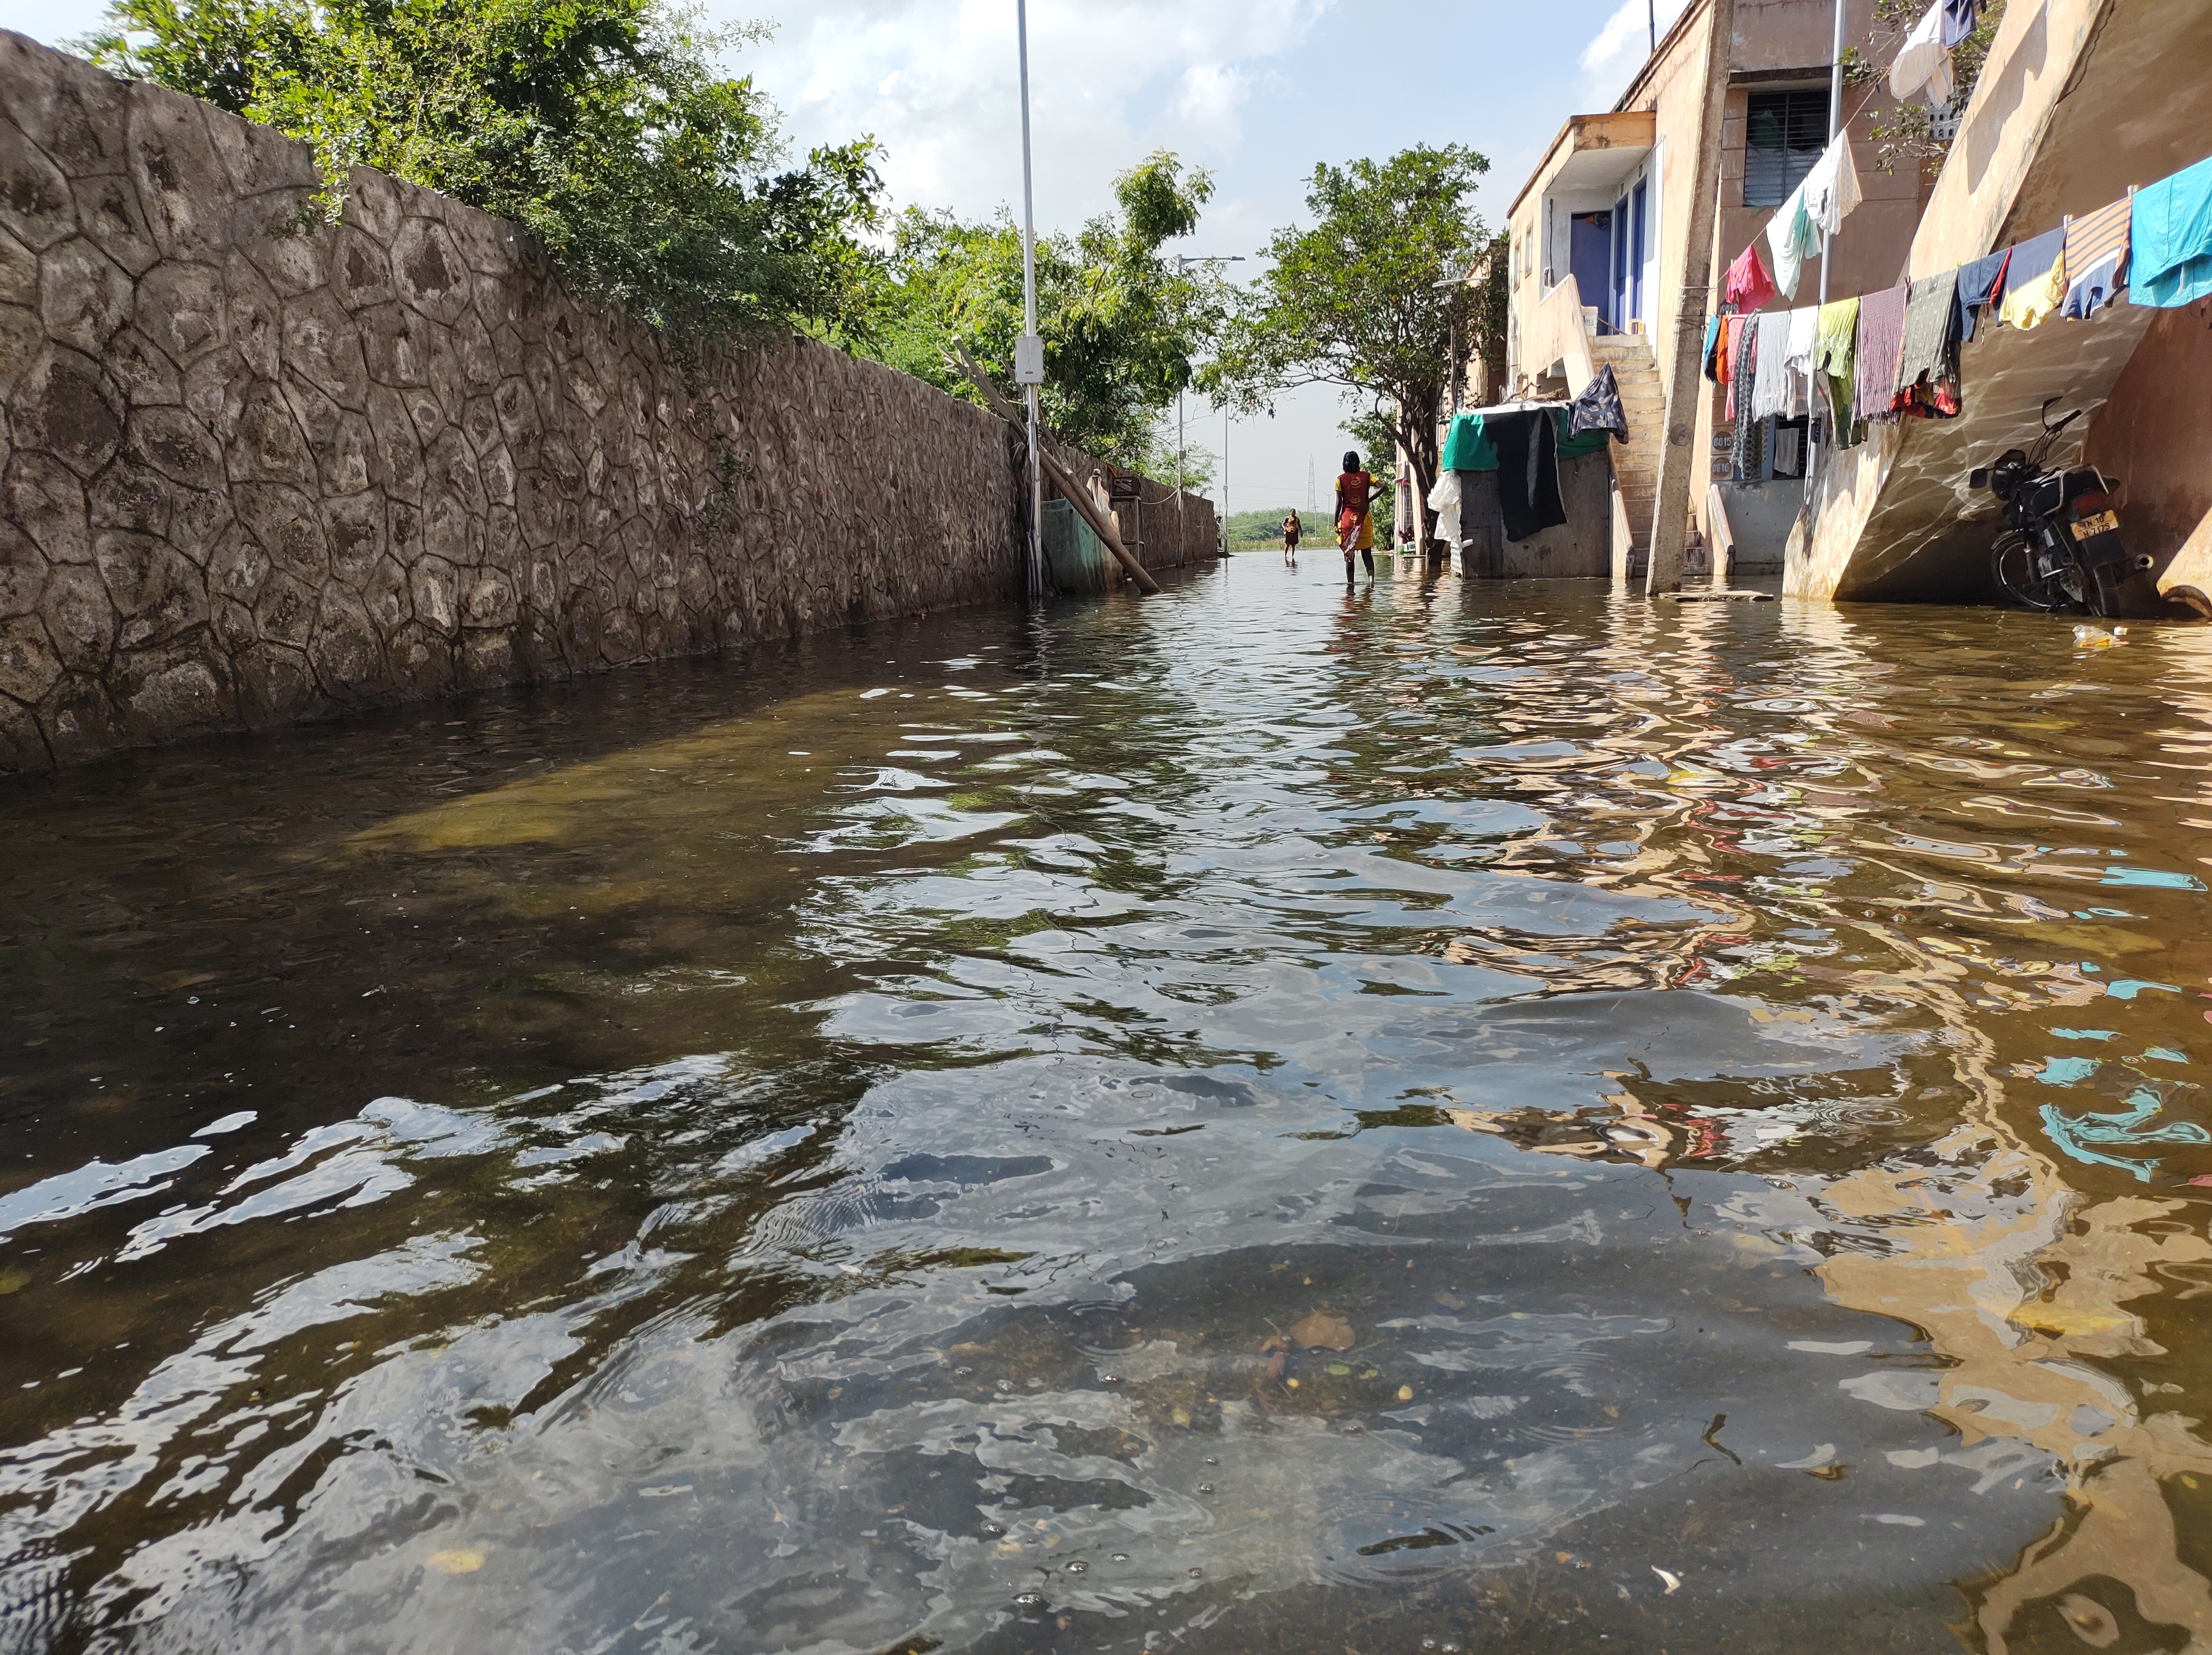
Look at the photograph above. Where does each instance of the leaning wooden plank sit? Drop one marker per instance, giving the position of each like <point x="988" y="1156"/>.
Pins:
<point x="1102" y="522"/>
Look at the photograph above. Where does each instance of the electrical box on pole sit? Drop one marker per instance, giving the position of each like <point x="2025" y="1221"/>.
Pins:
<point x="1029" y="359"/>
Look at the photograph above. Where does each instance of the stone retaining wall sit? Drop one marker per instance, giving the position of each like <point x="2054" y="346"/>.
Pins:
<point x="252" y="474"/>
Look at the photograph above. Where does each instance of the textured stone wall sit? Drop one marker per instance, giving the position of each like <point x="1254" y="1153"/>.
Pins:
<point x="252" y="474"/>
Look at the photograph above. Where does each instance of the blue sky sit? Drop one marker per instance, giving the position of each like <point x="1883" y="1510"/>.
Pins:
<point x="1257" y="90"/>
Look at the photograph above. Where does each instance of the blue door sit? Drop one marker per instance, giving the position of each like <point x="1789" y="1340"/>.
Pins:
<point x="1589" y="252"/>
<point x="1636" y="249"/>
<point x="1620" y="306"/>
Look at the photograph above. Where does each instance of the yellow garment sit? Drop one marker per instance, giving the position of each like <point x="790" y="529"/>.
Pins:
<point x="2034" y="303"/>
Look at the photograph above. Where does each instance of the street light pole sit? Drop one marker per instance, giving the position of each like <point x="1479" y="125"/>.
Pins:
<point x="1028" y="349"/>
<point x="1835" y="126"/>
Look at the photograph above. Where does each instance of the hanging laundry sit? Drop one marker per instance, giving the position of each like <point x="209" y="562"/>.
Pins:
<point x="1724" y="352"/>
<point x="1444" y="500"/>
<point x="1574" y="445"/>
<point x="2096" y="250"/>
<point x="1742" y="364"/>
<point x="1712" y="343"/>
<point x="1467" y="447"/>
<point x="1790" y="237"/>
<point x="1598" y="408"/>
<point x="1960" y="18"/>
<point x="1804" y="339"/>
<point x="1927" y="369"/>
<point x="1744" y="385"/>
<point x="1527" y="440"/>
<point x="1881" y="348"/>
<point x="1831" y="188"/>
<point x="2171" y="239"/>
<point x="1924" y="62"/>
<point x="1769" y="385"/>
<point x="1747" y="286"/>
<point x="1980" y="284"/>
<point x="2035" y="281"/>
<point x="1834" y="349"/>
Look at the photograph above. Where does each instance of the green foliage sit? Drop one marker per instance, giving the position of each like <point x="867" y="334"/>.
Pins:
<point x="603" y="127"/>
<point x="1906" y="134"/>
<point x="1355" y="301"/>
<point x="1119" y="325"/>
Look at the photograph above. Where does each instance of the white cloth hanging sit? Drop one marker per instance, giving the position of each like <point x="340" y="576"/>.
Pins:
<point x="1922" y="62"/>
<point x="1790" y="238"/>
<point x="1831" y="188"/>
<point x="1443" y="500"/>
<point x="1770" y="380"/>
<point x="1797" y="357"/>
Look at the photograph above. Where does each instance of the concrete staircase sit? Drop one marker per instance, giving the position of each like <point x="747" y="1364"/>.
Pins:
<point x="1636" y="466"/>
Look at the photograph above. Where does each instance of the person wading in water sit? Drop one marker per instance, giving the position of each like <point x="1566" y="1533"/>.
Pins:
<point x="1355" y="528"/>
<point x="1292" y="528"/>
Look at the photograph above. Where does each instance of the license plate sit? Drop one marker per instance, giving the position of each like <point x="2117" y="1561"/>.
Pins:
<point x="2101" y="523"/>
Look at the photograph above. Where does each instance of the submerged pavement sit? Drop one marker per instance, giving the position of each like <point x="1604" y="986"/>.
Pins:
<point x="1258" y="1118"/>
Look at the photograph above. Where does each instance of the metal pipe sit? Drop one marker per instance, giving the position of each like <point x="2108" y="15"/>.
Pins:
<point x="1835" y="124"/>
<point x="1030" y="313"/>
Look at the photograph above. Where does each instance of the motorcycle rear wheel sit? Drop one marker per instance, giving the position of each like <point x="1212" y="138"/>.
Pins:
<point x="2012" y="566"/>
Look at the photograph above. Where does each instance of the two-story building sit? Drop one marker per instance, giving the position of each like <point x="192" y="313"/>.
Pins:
<point x="1597" y="234"/>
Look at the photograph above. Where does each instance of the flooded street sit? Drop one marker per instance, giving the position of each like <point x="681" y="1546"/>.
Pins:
<point x="1448" y="1117"/>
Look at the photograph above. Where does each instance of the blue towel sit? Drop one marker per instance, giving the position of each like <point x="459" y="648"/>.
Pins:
<point x="2171" y="240"/>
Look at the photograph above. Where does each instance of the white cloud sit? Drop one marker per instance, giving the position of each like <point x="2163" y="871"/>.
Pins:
<point x="1610" y="61"/>
<point x="936" y="84"/>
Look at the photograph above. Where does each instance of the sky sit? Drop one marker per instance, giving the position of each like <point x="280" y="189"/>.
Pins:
<point x="1256" y="91"/>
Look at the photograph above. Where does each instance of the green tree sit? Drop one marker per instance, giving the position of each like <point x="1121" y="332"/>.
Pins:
<point x="603" y="127"/>
<point x="1356" y="300"/>
<point x="1120" y="325"/>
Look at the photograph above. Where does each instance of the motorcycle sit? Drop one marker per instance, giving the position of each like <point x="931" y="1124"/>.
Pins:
<point x="2060" y="548"/>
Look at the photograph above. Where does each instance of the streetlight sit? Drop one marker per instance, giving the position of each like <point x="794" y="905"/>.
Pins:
<point x="1028" y="349"/>
<point x="1183" y="262"/>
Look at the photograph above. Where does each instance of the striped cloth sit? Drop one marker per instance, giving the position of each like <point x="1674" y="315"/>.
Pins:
<point x="2096" y="259"/>
<point x="2092" y="236"/>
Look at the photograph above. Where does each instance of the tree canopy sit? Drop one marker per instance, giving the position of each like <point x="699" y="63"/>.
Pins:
<point x="603" y="127"/>
<point x="1355" y="301"/>
<point x="1120" y="323"/>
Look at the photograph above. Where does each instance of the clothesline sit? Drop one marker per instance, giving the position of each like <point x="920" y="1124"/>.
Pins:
<point x="1878" y="357"/>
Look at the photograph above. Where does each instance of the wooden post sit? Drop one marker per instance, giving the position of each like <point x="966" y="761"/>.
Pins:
<point x="1101" y="523"/>
<point x="1670" y="513"/>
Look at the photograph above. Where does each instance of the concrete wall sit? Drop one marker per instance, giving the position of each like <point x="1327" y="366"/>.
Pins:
<point x="2154" y="436"/>
<point x="252" y="474"/>
<point x="1582" y="545"/>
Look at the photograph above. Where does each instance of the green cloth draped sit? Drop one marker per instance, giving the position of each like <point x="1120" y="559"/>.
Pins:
<point x="1834" y="350"/>
<point x="1467" y="446"/>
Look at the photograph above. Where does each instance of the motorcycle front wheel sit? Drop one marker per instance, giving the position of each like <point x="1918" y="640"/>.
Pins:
<point x="2012" y="566"/>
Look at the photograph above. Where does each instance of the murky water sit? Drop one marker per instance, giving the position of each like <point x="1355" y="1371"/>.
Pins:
<point x="1254" y="1120"/>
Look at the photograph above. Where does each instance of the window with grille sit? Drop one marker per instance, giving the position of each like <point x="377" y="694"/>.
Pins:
<point x="1784" y="133"/>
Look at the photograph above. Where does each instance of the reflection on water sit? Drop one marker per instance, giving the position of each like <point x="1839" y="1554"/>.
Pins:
<point x="1263" y="1119"/>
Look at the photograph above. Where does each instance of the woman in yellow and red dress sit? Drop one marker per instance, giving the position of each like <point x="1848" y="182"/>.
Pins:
<point x="1355" y="525"/>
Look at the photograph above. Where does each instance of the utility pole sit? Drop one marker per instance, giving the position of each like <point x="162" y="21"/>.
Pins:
<point x="1028" y="349"/>
<point x="1678" y="457"/>
<point x="1835" y="126"/>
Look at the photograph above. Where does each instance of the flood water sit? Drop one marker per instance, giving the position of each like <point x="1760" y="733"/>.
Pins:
<point x="1448" y="1116"/>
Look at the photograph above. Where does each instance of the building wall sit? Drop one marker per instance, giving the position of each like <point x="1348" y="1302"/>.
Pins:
<point x="1582" y="545"/>
<point x="2154" y="435"/>
<point x="252" y="474"/>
